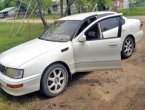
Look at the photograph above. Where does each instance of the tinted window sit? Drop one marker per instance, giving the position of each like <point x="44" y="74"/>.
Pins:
<point x="86" y="23"/>
<point x="108" y="24"/>
<point x="93" y="33"/>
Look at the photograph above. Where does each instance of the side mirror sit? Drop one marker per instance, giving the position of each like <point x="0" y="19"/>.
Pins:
<point x="82" y="38"/>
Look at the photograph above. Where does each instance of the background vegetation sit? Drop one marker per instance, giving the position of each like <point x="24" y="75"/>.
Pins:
<point x="9" y="40"/>
<point x="133" y="12"/>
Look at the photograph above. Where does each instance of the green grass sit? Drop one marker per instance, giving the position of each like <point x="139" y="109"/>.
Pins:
<point x="26" y="102"/>
<point x="133" y="12"/>
<point x="9" y="40"/>
<point x="51" y="16"/>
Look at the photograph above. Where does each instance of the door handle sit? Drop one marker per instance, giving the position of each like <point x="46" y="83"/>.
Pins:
<point x="113" y="45"/>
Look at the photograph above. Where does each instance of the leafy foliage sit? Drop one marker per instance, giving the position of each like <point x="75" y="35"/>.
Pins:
<point x="9" y="3"/>
<point x="92" y="3"/>
<point x="133" y="11"/>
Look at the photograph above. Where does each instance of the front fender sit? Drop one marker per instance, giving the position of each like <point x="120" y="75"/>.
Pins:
<point x="39" y="64"/>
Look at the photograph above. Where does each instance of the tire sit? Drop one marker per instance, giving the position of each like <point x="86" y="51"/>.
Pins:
<point x="128" y="47"/>
<point x="54" y="80"/>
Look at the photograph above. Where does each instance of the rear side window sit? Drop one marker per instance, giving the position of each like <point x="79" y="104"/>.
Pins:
<point x="109" y="24"/>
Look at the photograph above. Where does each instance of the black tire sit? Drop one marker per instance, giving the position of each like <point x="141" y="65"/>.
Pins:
<point x="51" y="77"/>
<point x="127" y="48"/>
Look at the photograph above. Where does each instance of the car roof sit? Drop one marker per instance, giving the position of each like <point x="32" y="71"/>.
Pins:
<point x="82" y="16"/>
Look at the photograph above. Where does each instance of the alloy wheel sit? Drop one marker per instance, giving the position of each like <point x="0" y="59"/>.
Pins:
<point x="56" y="80"/>
<point x="128" y="46"/>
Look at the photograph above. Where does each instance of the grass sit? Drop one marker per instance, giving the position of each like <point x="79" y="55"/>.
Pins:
<point x="51" y="16"/>
<point x="26" y="102"/>
<point x="133" y="12"/>
<point x="9" y="40"/>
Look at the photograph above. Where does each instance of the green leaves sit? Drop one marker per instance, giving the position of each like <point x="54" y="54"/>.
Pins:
<point x="92" y="3"/>
<point x="6" y="3"/>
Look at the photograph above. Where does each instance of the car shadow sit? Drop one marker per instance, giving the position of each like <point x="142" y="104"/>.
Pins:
<point x="77" y="77"/>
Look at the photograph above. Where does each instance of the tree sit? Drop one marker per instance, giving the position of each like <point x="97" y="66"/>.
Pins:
<point x="42" y="4"/>
<point x="140" y="1"/>
<point x="69" y="7"/>
<point x="47" y="3"/>
<point x="7" y="3"/>
<point x="61" y="8"/>
<point x="1" y="5"/>
<point x="42" y="14"/>
<point x="101" y="3"/>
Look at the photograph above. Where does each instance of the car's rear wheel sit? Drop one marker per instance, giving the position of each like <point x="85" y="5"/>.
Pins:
<point x="54" y="81"/>
<point x="128" y="47"/>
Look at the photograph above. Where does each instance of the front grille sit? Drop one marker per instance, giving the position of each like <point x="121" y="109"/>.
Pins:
<point x="2" y="68"/>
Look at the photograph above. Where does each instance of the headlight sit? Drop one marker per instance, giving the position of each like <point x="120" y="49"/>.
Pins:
<point x="14" y="73"/>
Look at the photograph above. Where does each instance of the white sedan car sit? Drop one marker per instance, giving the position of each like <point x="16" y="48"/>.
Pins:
<point x="77" y="43"/>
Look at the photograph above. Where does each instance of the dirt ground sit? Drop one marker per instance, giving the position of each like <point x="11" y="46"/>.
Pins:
<point x="104" y="90"/>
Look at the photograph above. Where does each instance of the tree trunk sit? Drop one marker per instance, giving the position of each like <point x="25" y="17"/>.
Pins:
<point x="41" y="14"/>
<point x="69" y="7"/>
<point x="61" y="8"/>
<point x="101" y="5"/>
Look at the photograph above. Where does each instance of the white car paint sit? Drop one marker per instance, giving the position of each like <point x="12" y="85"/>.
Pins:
<point x="82" y="16"/>
<point x="132" y="27"/>
<point x="36" y="55"/>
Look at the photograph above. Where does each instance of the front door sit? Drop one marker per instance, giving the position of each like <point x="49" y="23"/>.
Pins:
<point x="97" y="52"/>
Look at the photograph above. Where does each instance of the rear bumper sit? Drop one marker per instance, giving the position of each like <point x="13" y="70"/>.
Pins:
<point x="30" y="84"/>
<point x="139" y="36"/>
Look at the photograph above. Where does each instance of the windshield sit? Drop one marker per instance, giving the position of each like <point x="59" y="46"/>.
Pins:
<point x="61" y="31"/>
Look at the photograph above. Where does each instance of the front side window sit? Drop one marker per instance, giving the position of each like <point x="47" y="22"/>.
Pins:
<point x="61" y="31"/>
<point x="86" y="23"/>
<point x="93" y="33"/>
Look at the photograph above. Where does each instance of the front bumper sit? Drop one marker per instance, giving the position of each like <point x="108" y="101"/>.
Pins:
<point x="30" y="84"/>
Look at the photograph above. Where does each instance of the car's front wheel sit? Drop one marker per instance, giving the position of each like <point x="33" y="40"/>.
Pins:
<point x="128" y="47"/>
<point x="54" y="81"/>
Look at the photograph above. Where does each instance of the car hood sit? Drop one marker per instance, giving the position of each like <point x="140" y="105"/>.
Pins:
<point x="23" y="53"/>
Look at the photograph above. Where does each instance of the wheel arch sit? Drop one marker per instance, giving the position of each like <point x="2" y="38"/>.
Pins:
<point x="59" y="62"/>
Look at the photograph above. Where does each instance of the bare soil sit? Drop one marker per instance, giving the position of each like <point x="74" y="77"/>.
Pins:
<point x="104" y="90"/>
